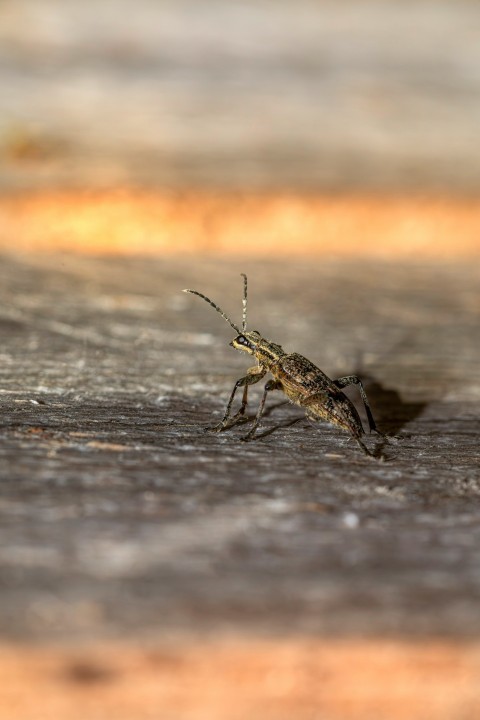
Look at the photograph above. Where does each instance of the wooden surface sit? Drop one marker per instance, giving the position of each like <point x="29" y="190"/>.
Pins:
<point x="148" y="569"/>
<point x="123" y="522"/>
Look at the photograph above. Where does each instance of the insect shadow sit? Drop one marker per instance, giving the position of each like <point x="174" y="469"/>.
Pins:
<point x="392" y="413"/>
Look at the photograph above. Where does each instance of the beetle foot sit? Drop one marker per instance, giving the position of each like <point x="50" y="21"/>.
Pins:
<point x="247" y="437"/>
<point x="215" y="428"/>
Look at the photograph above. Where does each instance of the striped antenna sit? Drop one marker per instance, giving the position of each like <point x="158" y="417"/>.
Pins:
<point x="244" y="302"/>
<point x="215" y="307"/>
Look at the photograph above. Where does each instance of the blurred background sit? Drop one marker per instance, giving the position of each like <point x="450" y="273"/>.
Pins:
<point x="141" y="566"/>
<point x="364" y="95"/>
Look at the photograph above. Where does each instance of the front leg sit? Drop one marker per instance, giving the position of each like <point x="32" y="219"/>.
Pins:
<point x="253" y="375"/>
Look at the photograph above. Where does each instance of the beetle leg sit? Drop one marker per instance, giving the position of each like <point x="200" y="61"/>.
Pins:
<point x="354" y="380"/>
<point x="364" y="448"/>
<point x="243" y="406"/>
<point x="253" y="376"/>
<point x="270" y="385"/>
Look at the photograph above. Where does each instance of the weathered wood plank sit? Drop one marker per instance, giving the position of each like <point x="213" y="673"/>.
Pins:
<point x="121" y="517"/>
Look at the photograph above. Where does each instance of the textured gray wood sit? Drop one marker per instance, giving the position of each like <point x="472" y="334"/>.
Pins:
<point x="120" y="517"/>
<point x="358" y="94"/>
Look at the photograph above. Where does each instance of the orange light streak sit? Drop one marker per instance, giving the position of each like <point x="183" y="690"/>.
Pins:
<point x="157" y="223"/>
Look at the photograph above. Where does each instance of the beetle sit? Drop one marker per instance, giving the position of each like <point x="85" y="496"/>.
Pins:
<point x="300" y="380"/>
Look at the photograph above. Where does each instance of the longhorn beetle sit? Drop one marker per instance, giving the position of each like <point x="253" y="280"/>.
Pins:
<point x="302" y="382"/>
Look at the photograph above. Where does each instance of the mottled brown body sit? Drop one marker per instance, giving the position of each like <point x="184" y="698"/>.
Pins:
<point x="300" y="380"/>
<point x="307" y="386"/>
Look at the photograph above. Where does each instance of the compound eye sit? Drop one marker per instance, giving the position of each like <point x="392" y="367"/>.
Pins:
<point x="242" y="340"/>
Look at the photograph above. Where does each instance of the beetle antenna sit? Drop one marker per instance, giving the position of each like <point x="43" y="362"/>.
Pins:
<point x="244" y="303"/>
<point x="215" y="307"/>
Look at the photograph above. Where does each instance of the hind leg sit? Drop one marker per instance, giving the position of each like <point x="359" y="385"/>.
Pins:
<point x="354" y="432"/>
<point x="354" y="380"/>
